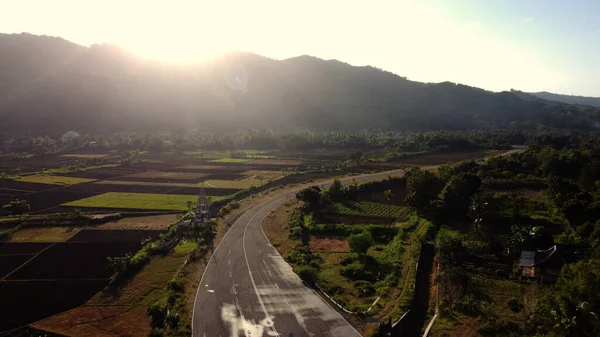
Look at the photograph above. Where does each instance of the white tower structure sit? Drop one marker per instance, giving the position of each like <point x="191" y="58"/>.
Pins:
<point x="202" y="214"/>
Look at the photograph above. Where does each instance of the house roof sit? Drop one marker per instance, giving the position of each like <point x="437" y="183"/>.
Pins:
<point x="527" y="258"/>
<point x="553" y="257"/>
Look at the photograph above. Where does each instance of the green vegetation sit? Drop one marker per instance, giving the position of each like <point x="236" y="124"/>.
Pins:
<point x="163" y="202"/>
<point x="17" y="207"/>
<point x="55" y="180"/>
<point x="369" y="209"/>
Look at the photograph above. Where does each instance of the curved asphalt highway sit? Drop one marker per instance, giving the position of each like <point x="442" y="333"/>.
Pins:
<point x="249" y="290"/>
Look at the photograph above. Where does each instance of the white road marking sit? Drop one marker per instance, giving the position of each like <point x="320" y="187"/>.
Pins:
<point x="210" y="291"/>
<point x="229" y="261"/>
<point x="262" y="304"/>
<point x="258" y="251"/>
<point x="277" y="285"/>
<point x="230" y="275"/>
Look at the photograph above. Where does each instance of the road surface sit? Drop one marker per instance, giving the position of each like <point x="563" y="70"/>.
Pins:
<point x="249" y="290"/>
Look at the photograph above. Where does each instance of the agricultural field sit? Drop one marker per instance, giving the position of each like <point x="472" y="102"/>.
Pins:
<point x="44" y="234"/>
<point x="365" y="208"/>
<point x="56" y="180"/>
<point x="49" y="261"/>
<point x="115" y="200"/>
<point x="229" y="160"/>
<point x="41" y="264"/>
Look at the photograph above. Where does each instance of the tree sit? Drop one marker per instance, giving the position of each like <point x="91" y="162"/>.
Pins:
<point x="336" y="191"/>
<point x="357" y="157"/>
<point x="360" y="243"/>
<point x="457" y="194"/>
<point x="388" y="196"/>
<point x="18" y="207"/>
<point x="422" y="188"/>
<point x="311" y="196"/>
<point x="570" y="307"/>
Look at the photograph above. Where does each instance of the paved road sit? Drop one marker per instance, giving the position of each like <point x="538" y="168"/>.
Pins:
<point x="249" y="290"/>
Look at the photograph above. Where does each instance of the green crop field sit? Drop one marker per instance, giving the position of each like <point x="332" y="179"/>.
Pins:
<point x="55" y="180"/>
<point x="368" y="209"/>
<point x="162" y="202"/>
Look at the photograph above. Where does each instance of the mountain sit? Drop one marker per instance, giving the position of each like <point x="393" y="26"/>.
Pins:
<point x="49" y="85"/>
<point x="570" y="99"/>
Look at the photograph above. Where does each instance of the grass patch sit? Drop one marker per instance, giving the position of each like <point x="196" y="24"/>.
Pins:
<point x="163" y="202"/>
<point x="229" y="160"/>
<point x="186" y="247"/>
<point x="55" y="180"/>
<point x="147" y="285"/>
<point x="369" y="209"/>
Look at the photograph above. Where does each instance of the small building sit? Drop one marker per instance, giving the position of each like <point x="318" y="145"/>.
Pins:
<point x="547" y="263"/>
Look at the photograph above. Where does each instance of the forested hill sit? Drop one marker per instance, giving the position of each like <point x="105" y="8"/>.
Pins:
<point x="49" y="85"/>
<point x="570" y="99"/>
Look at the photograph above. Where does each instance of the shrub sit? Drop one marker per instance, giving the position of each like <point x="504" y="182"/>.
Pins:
<point x="307" y="273"/>
<point x="175" y="285"/>
<point x="360" y="243"/>
<point x="514" y="304"/>
<point x="364" y="288"/>
<point x="158" y="312"/>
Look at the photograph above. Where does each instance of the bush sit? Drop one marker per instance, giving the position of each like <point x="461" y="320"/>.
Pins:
<point x="364" y="288"/>
<point x="175" y="286"/>
<point x="514" y="304"/>
<point x="307" y="273"/>
<point x="172" y="320"/>
<point x="360" y="243"/>
<point x="158" y="312"/>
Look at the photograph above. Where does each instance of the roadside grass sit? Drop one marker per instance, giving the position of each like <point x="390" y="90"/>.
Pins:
<point x="370" y="209"/>
<point x="55" y="180"/>
<point x="148" y="285"/>
<point x="275" y="227"/>
<point x="229" y="160"/>
<point x="342" y="289"/>
<point x="185" y="247"/>
<point x="162" y="202"/>
<point x="44" y="234"/>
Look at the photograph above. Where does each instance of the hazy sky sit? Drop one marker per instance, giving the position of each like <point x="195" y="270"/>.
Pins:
<point x="531" y="45"/>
